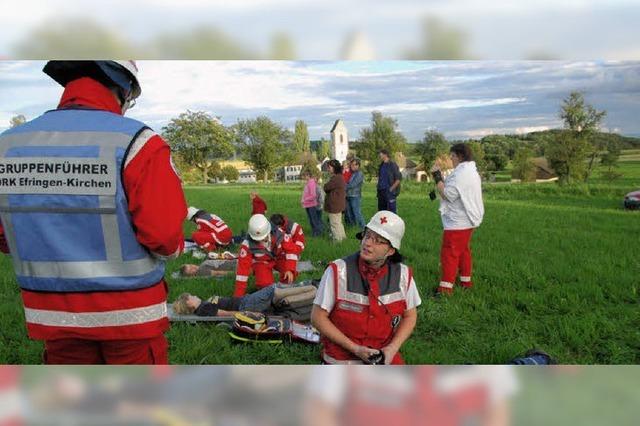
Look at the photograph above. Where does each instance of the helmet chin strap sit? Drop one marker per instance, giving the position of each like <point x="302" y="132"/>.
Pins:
<point x="128" y="104"/>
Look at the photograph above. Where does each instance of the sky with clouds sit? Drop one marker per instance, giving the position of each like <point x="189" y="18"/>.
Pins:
<point x="462" y="99"/>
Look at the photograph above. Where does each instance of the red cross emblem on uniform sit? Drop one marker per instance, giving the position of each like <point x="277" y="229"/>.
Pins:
<point x="383" y="220"/>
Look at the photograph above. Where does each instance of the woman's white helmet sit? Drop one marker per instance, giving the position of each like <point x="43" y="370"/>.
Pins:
<point x="388" y="225"/>
<point x="259" y="227"/>
<point x="191" y="212"/>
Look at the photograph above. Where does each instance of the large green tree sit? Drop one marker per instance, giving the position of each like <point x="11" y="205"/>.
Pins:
<point x="229" y="173"/>
<point x="478" y="156"/>
<point x="431" y="147"/>
<point x="578" y="116"/>
<point x="497" y="151"/>
<point x="199" y="139"/>
<point x="566" y="155"/>
<point x="382" y="134"/>
<point x="263" y="144"/>
<point x="610" y="160"/>
<point x="324" y="149"/>
<point x="523" y="167"/>
<point x="583" y="121"/>
<point x="301" y="141"/>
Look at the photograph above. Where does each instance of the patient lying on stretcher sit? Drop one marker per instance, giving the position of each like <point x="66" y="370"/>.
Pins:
<point x="267" y="299"/>
<point x="222" y="267"/>
<point x="208" y="268"/>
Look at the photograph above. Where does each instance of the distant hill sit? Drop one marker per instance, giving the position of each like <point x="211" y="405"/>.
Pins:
<point x="626" y="142"/>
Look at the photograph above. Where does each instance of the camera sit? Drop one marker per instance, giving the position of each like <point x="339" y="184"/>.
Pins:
<point x="376" y="359"/>
<point x="432" y="195"/>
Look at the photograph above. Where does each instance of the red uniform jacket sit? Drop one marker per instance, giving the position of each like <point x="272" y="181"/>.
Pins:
<point x="262" y="260"/>
<point x="212" y="232"/>
<point x="258" y="206"/>
<point x="293" y="238"/>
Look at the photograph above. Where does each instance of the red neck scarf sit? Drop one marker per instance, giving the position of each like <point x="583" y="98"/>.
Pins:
<point x="89" y="93"/>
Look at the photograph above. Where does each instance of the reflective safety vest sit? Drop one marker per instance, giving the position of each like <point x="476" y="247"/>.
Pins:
<point x="352" y="315"/>
<point x="64" y="208"/>
<point x="82" y="272"/>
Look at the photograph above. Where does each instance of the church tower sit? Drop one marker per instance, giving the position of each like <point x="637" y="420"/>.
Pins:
<point x="339" y="141"/>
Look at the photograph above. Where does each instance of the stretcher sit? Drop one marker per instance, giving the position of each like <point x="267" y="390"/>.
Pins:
<point x="268" y="329"/>
<point x="225" y="267"/>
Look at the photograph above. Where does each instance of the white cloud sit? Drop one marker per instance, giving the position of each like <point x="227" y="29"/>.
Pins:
<point x="417" y="107"/>
<point x="529" y="129"/>
<point x="486" y="131"/>
<point x="268" y="85"/>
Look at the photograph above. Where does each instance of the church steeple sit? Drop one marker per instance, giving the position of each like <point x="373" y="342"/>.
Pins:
<point x="339" y="141"/>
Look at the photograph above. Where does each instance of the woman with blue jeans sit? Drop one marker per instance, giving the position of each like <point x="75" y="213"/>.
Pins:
<point x="311" y="204"/>
<point x="354" y="194"/>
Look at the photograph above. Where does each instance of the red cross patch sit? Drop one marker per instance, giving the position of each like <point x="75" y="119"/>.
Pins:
<point x="383" y="220"/>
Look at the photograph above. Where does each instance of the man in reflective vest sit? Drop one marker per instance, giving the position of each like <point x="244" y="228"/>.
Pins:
<point x="260" y="252"/>
<point x="365" y="307"/>
<point x="82" y="224"/>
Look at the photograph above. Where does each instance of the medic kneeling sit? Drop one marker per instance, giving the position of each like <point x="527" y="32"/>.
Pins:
<point x="365" y="307"/>
<point x="293" y="241"/>
<point x="263" y="251"/>
<point x="212" y="232"/>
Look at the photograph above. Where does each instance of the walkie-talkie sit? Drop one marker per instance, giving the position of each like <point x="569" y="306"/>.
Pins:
<point x="376" y="359"/>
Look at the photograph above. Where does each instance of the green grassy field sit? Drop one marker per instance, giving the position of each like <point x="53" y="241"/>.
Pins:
<point x="555" y="267"/>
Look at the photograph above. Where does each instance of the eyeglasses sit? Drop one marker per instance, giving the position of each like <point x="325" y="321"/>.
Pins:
<point x="377" y="239"/>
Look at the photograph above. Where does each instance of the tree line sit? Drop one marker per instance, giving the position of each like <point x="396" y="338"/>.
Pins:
<point x="200" y="141"/>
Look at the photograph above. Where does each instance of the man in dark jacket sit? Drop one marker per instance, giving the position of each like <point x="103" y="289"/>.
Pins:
<point x="388" y="182"/>
<point x="335" y="201"/>
<point x="354" y="194"/>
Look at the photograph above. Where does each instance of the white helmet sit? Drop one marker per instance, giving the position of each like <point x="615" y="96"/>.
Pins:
<point x="388" y="225"/>
<point x="191" y="212"/>
<point x="259" y="227"/>
<point x="124" y="74"/>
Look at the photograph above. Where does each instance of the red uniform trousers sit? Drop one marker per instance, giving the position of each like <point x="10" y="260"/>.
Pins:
<point x="206" y="240"/>
<point x="455" y="256"/>
<point x="264" y="272"/>
<point x="82" y="351"/>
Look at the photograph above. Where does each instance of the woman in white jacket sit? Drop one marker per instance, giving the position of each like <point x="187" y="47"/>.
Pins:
<point x="461" y="209"/>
